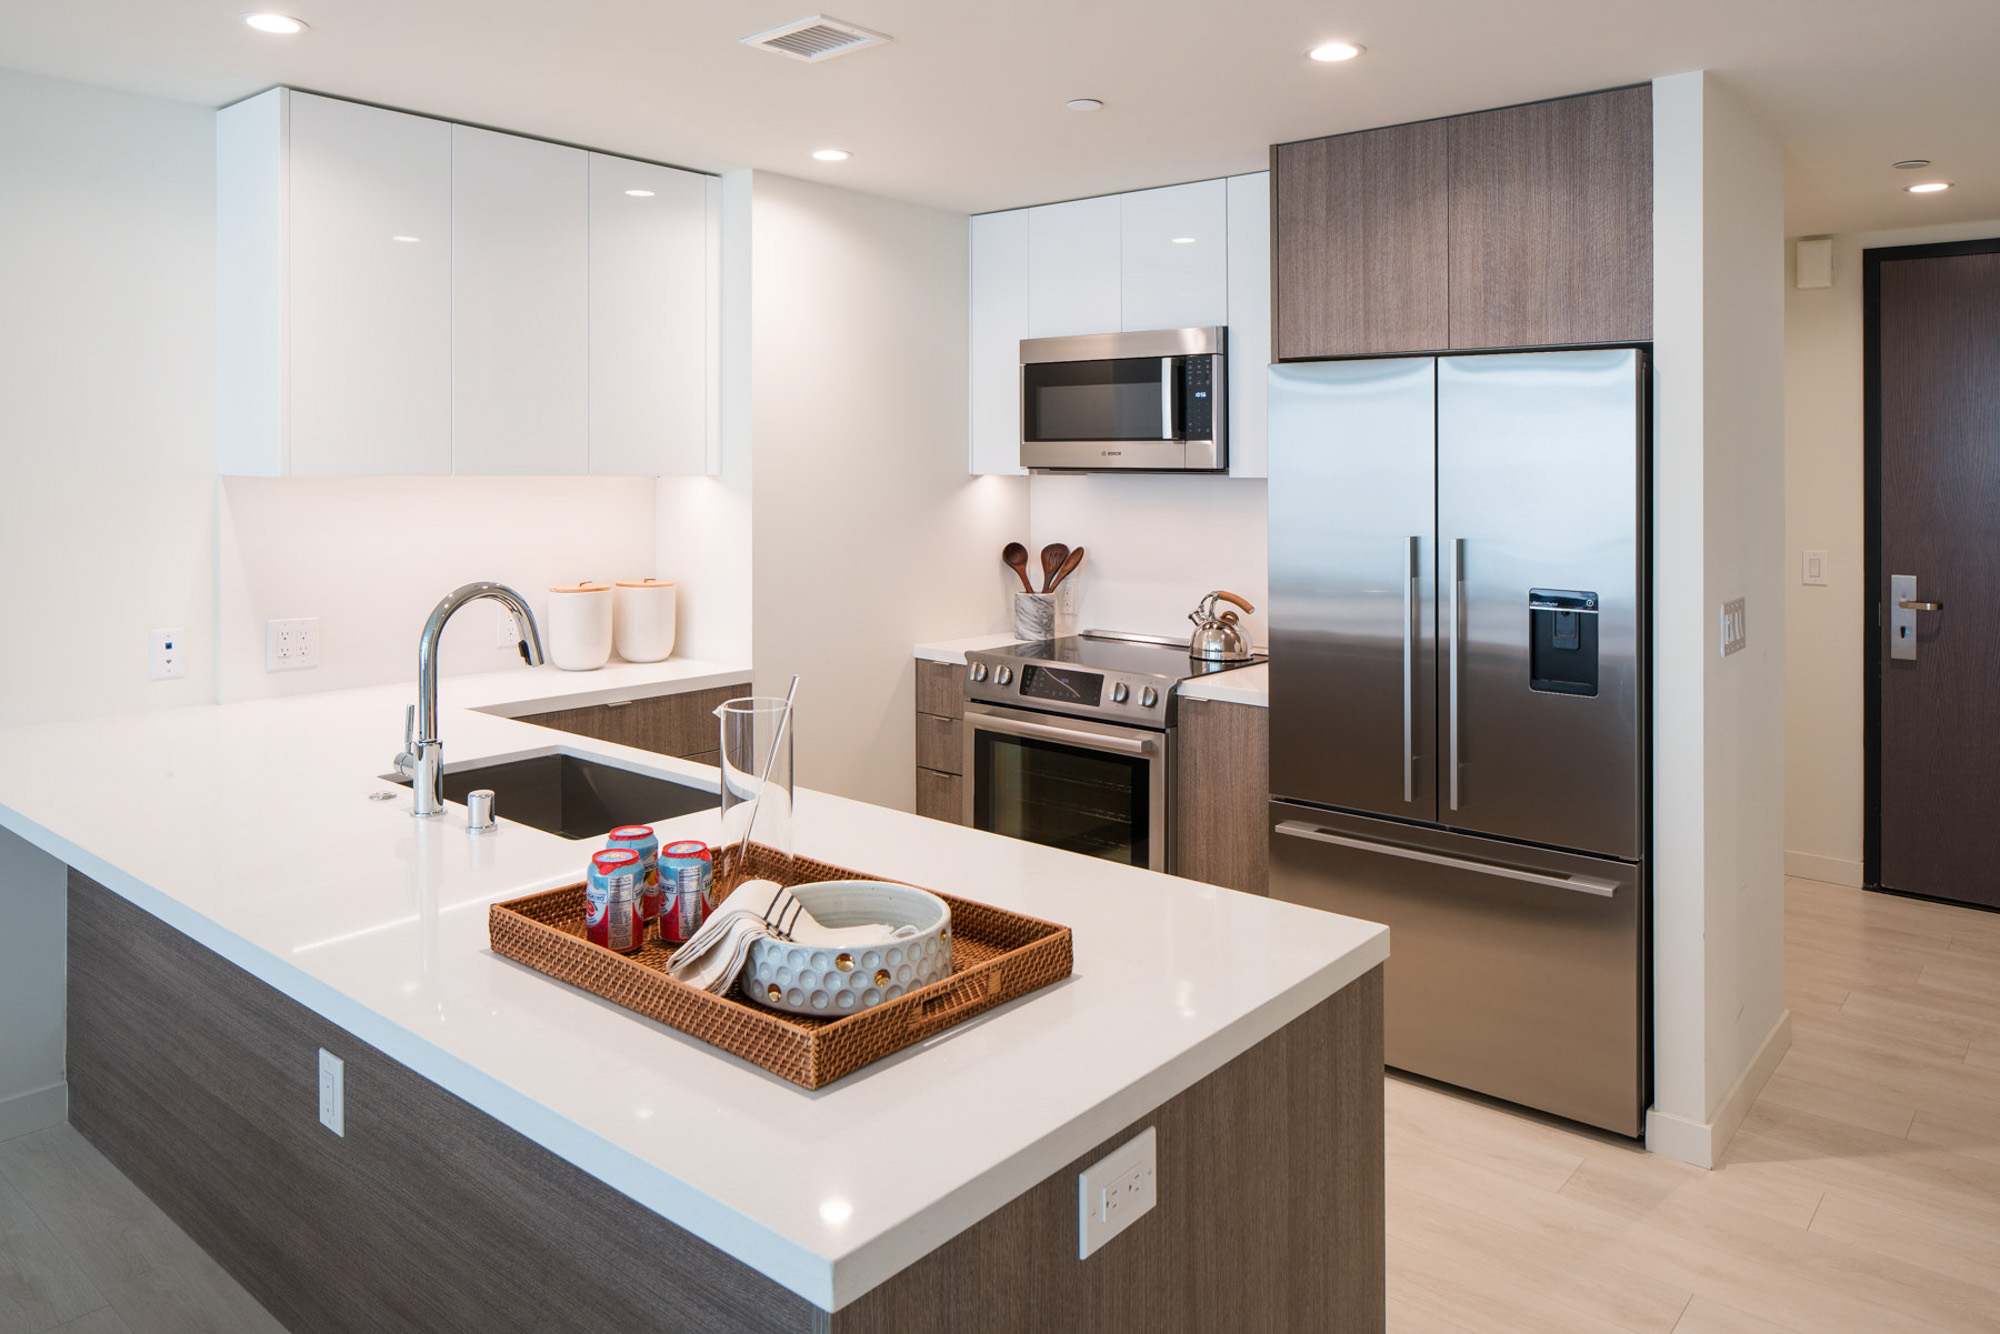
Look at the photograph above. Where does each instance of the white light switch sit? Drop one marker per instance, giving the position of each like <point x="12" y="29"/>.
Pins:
<point x="1115" y="1190"/>
<point x="1734" y="634"/>
<point x="332" y="1092"/>
<point x="1812" y="568"/>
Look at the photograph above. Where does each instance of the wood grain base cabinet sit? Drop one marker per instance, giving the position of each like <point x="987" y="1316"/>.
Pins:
<point x="682" y="725"/>
<point x="940" y="741"/>
<point x="1222" y="795"/>
<point x="200" y="1084"/>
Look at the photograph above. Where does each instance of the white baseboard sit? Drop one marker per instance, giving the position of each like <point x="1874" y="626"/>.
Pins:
<point x="1702" y="1144"/>
<point x="37" y="1109"/>
<point x="1832" y="870"/>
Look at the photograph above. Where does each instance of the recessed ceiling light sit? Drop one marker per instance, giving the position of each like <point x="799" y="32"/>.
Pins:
<point x="411" y="239"/>
<point x="1911" y="163"/>
<point x="1084" y="104"/>
<point x="1183" y="240"/>
<point x="1329" y="52"/>
<point x="640" y="194"/>
<point x="1928" y="187"/>
<point x="831" y="154"/>
<point x="283" y="25"/>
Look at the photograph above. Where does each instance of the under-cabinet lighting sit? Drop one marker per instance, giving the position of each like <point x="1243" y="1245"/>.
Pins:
<point x="281" y="25"/>
<point x="831" y="154"/>
<point x="1928" y="187"/>
<point x="412" y="240"/>
<point x="640" y="194"/>
<point x="1329" y="52"/>
<point x="1183" y="240"/>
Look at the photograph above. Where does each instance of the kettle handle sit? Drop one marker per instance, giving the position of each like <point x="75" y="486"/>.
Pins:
<point x="1231" y="597"/>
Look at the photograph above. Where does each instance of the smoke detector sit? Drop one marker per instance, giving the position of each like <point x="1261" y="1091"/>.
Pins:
<point x="815" y="38"/>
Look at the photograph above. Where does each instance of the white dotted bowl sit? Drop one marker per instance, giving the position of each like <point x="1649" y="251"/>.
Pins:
<point x="828" y="982"/>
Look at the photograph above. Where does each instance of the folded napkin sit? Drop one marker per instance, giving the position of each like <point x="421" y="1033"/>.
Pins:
<point x="715" y="954"/>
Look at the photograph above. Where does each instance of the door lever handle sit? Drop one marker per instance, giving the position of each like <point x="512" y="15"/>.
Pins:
<point x="1921" y="606"/>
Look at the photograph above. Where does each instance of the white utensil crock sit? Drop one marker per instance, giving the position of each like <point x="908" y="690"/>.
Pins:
<point x="580" y="626"/>
<point x="643" y="619"/>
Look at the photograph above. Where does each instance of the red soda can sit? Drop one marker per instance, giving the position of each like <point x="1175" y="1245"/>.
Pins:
<point x="641" y="839"/>
<point x="687" y="879"/>
<point x="613" y="910"/>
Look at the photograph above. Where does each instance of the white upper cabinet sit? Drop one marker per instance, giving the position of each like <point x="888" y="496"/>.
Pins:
<point x="1173" y="260"/>
<point x="999" y="321"/>
<point x="400" y="295"/>
<point x="520" y="273"/>
<point x="367" y="253"/>
<point x="652" y="232"/>
<point x="1249" y="320"/>
<point x="1073" y="271"/>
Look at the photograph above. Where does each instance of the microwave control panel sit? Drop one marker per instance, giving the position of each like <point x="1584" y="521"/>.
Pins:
<point x="1198" y="398"/>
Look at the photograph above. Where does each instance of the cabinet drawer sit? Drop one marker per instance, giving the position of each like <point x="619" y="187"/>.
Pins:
<point x="682" y="725"/>
<point x="938" y="796"/>
<point x="941" y="689"/>
<point x="939" y="744"/>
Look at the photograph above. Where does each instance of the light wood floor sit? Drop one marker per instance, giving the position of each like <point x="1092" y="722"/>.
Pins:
<point x="1862" y="1193"/>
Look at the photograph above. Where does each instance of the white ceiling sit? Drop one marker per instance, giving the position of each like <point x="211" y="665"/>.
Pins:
<point x="965" y="109"/>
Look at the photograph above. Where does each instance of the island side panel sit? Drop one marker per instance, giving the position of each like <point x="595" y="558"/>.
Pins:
<point x="201" y="1084"/>
<point x="1270" y="1215"/>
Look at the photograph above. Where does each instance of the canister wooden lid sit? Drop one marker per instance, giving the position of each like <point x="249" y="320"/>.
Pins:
<point x="645" y="583"/>
<point x="585" y="587"/>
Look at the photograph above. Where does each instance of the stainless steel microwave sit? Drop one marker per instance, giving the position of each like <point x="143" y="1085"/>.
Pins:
<point x="1152" y="401"/>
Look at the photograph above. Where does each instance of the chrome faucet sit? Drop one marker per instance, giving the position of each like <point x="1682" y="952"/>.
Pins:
<point x="422" y="760"/>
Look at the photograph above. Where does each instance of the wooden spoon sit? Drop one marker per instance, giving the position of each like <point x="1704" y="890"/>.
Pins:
<point x="1068" y="568"/>
<point x="1053" y="555"/>
<point x="1015" y="556"/>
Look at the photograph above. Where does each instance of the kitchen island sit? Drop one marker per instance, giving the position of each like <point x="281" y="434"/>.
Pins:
<point x="532" y="1156"/>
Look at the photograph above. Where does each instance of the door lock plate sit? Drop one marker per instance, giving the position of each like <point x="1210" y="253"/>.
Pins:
<point x="1902" y="617"/>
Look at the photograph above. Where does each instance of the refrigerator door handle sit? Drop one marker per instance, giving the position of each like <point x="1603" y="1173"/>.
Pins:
<point x="1582" y="884"/>
<point x="1457" y="614"/>
<point x="1411" y="601"/>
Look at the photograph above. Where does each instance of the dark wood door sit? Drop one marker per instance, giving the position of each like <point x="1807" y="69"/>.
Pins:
<point x="1358" y="245"/>
<point x="1552" y="222"/>
<point x="1934" y="407"/>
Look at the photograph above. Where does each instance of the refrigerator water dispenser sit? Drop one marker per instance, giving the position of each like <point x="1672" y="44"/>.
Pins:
<point x="1562" y="641"/>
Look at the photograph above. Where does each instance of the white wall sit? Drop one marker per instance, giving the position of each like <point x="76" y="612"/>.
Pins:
<point x="1718" y="952"/>
<point x="868" y="534"/>
<point x="107" y="370"/>
<point x="1156" y="544"/>
<point x="1824" y="663"/>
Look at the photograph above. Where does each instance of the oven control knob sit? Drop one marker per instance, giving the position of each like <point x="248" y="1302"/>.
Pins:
<point x="1002" y="675"/>
<point x="1149" y="697"/>
<point x="1120" y="693"/>
<point x="978" y="671"/>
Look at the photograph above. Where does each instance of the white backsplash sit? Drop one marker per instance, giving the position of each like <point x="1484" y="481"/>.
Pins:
<point x="1157" y="543"/>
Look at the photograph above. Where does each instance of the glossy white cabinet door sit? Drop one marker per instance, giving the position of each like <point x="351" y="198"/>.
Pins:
<point x="1073" y="268"/>
<point x="1174" y="258"/>
<point x="1249" y="320"/>
<point x="649" y="272"/>
<point x="520" y="267"/>
<point x="369" y="313"/>
<point x="998" y="244"/>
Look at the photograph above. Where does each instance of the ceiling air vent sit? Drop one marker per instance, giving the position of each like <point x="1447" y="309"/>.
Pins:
<point x="816" y="38"/>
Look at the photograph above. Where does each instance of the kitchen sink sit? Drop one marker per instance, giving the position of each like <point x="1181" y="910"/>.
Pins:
<point x="573" y="797"/>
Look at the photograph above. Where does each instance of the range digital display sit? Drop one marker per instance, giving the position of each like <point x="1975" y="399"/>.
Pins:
<point x="1060" y="683"/>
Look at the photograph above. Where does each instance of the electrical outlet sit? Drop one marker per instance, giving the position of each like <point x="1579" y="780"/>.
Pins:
<point x="1812" y="568"/>
<point x="1734" y="634"/>
<point x="333" y="1092"/>
<point x="167" y="658"/>
<point x="1116" y="1190"/>
<point x="292" y="644"/>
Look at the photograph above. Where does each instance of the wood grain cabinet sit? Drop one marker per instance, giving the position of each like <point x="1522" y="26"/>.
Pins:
<point x="940" y="740"/>
<point x="1528" y="226"/>
<point x="1222" y="795"/>
<point x="682" y="725"/>
<point x="1359" y="263"/>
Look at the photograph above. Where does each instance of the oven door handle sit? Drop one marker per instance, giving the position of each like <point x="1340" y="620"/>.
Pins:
<point x="1145" y="745"/>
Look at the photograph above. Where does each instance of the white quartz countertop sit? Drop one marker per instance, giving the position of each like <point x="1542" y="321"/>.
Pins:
<point x="249" y="828"/>
<point x="1241" y="685"/>
<point x="953" y="651"/>
<point x="517" y="692"/>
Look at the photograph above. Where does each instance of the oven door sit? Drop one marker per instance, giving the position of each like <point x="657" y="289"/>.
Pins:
<point x="1069" y="783"/>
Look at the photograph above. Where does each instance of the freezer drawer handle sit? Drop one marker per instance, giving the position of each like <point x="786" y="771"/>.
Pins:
<point x="1582" y="884"/>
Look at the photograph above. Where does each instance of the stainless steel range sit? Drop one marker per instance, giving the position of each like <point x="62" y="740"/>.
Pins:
<point x="1070" y="742"/>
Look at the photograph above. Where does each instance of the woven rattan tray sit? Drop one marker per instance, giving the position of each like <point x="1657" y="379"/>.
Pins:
<point x="995" y="956"/>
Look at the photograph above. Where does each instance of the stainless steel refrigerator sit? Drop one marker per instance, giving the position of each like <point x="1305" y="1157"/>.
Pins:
<point x="1459" y="705"/>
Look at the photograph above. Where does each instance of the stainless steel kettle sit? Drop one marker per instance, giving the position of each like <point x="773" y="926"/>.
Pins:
<point x="1220" y="638"/>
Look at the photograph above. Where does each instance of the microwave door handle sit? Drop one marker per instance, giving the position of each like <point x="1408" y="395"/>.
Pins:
<point x="1169" y="428"/>
<point x="1145" y="745"/>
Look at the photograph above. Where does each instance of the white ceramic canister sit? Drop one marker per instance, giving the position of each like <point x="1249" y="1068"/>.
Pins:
<point x="644" y="618"/>
<point x="579" y="626"/>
